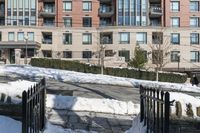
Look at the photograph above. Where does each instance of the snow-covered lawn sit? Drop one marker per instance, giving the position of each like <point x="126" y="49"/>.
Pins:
<point x="71" y="76"/>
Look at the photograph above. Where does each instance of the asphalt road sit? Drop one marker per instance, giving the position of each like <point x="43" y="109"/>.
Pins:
<point x="93" y="91"/>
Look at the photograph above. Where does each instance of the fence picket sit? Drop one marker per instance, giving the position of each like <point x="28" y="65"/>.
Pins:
<point x="155" y="107"/>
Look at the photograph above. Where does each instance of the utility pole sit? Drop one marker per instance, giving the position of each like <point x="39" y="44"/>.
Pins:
<point x="102" y="54"/>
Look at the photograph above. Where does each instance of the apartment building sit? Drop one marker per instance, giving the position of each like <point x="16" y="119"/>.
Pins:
<point x="77" y="30"/>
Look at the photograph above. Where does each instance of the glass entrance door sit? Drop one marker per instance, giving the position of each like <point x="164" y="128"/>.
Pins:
<point x="12" y="56"/>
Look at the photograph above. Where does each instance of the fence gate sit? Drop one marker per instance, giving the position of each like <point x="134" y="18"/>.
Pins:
<point x="154" y="110"/>
<point x="33" y="108"/>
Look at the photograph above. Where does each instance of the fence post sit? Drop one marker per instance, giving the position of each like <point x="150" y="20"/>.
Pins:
<point x="167" y="109"/>
<point x="24" y="112"/>
<point x="141" y="104"/>
<point x="43" y="102"/>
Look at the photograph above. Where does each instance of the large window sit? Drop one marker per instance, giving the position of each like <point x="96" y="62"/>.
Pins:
<point x="141" y="38"/>
<point x="175" y="38"/>
<point x="67" y="21"/>
<point x="20" y="36"/>
<point x="30" y="36"/>
<point x="194" y="38"/>
<point x="194" y="6"/>
<point x="87" y="6"/>
<point x="67" y="38"/>
<point x="175" y="56"/>
<point x="67" y="54"/>
<point x="124" y="38"/>
<point x="87" y="54"/>
<point x="87" y="22"/>
<point x="87" y="38"/>
<point x="11" y="36"/>
<point x="175" y="6"/>
<point x="67" y="5"/>
<point x="194" y="56"/>
<point x="175" y="22"/>
<point x="194" y="21"/>
<point x="125" y="54"/>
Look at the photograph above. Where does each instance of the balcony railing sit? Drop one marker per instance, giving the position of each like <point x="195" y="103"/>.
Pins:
<point x="106" y="41"/>
<point x="47" y="12"/>
<point x="47" y="41"/>
<point x="49" y="24"/>
<point x="156" y="11"/>
<point x="106" y="12"/>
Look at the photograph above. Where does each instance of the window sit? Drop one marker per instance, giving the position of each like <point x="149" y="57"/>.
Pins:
<point x="47" y="53"/>
<point x="157" y="56"/>
<point x="175" y="6"/>
<point x="175" y="55"/>
<point x="125" y="54"/>
<point x="194" y="6"/>
<point x="157" y="38"/>
<point x="20" y="36"/>
<point x="194" y="38"/>
<point x="30" y="36"/>
<point x="87" y="22"/>
<point x="175" y="38"/>
<point x="194" y="56"/>
<point x="67" y="5"/>
<point x="47" y="37"/>
<point x="87" y="6"/>
<point x="87" y="38"/>
<point x="67" y="38"/>
<point x="141" y="38"/>
<point x="67" y="21"/>
<point x="87" y="54"/>
<point x="11" y="36"/>
<point x="124" y="38"/>
<point x="194" y="21"/>
<point x="109" y="53"/>
<point x="175" y="22"/>
<point x="67" y="54"/>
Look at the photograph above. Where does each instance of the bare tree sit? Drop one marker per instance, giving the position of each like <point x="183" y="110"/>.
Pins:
<point x="160" y="51"/>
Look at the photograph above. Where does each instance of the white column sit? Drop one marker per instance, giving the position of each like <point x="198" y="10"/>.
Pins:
<point x="17" y="56"/>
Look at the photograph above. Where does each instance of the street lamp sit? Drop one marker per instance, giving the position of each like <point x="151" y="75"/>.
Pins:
<point x="178" y="55"/>
<point x="26" y="39"/>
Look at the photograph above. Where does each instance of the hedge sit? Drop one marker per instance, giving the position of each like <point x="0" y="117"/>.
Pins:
<point x="121" y="72"/>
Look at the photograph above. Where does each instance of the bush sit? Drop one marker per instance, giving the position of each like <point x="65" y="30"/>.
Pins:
<point x="121" y="72"/>
<point x="178" y="109"/>
<point x="189" y="110"/>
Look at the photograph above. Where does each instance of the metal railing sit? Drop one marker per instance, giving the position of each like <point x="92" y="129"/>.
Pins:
<point x="33" y="108"/>
<point x="155" y="109"/>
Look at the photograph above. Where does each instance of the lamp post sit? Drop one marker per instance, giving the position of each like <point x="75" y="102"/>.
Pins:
<point x="26" y="39"/>
<point x="178" y="55"/>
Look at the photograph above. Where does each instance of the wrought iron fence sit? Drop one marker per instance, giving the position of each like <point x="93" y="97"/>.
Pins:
<point x="33" y="108"/>
<point x="155" y="109"/>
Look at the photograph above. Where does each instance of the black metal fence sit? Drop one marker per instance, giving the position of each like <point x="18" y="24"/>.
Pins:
<point x="33" y="108"/>
<point x="155" y="110"/>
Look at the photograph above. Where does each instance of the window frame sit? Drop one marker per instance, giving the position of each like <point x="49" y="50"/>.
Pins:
<point x="172" y="21"/>
<point x="89" y="4"/>
<point x="89" y="38"/>
<point x="172" y="38"/>
<point x="195" y="37"/>
<point x="64" y="6"/>
<point x="172" y="5"/>
<point x="144" y="36"/>
<point x="121" y="40"/>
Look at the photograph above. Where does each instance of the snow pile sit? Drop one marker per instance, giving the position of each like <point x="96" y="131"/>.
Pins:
<point x="137" y="126"/>
<point x="184" y="99"/>
<point x="9" y="125"/>
<point x="14" y="89"/>
<point x="92" y="104"/>
<point x="77" y="77"/>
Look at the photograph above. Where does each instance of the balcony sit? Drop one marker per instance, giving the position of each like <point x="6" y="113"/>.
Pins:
<point x="46" y="41"/>
<point x="155" y="12"/>
<point x="105" y="1"/>
<point x="47" y="12"/>
<point x="45" y="0"/>
<point x="106" y="12"/>
<point x="106" y="38"/>
<point x="2" y="13"/>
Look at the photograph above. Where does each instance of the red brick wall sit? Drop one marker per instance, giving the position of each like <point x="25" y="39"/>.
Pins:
<point x="184" y="13"/>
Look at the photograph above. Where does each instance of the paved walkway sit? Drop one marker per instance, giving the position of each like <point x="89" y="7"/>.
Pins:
<point x="90" y="121"/>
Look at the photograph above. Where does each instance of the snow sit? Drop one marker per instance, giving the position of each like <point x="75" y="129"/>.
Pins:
<point x="9" y="125"/>
<point x="137" y="126"/>
<point x="77" y="77"/>
<point x="92" y="104"/>
<point x="14" y="89"/>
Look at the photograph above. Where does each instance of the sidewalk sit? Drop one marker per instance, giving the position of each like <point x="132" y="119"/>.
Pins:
<point x="90" y="121"/>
